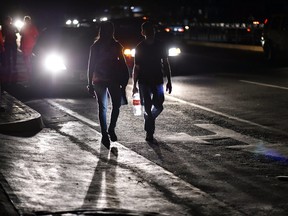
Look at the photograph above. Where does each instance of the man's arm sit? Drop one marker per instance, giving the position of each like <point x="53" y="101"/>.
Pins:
<point x="135" y="74"/>
<point x="90" y="72"/>
<point x="90" y="67"/>
<point x="167" y="72"/>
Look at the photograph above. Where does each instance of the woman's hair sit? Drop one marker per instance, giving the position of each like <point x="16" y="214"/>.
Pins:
<point x="148" y="28"/>
<point x="27" y="18"/>
<point x="8" y="19"/>
<point x="106" y="31"/>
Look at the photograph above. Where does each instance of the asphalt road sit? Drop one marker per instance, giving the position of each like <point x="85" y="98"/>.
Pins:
<point x="221" y="145"/>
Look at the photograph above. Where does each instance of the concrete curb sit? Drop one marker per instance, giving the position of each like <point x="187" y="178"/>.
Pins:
<point x="18" y="117"/>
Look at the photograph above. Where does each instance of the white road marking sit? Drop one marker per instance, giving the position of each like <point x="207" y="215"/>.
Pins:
<point x="72" y="113"/>
<point x="250" y="144"/>
<point x="146" y="168"/>
<point x="225" y="115"/>
<point x="264" y="84"/>
<point x="134" y="162"/>
<point x="253" y="145"/>
<point x="153" y="173"/>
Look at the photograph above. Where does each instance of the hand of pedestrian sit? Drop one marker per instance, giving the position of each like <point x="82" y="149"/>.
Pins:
<point x="90" y="90"/>
<point x="169" y="87"/>
<point x="135" y="90"/>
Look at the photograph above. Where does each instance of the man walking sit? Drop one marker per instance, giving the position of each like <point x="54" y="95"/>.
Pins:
<point x="150" y="65"/>
<point x="29" y="35"/>
<point x="9" y="33"/>
<point x="106" y="77"/>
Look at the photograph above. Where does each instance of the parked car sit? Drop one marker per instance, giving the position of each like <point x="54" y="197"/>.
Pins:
<point x="61" y="53"/>
<point x="128" y="33"/>
<point x="274" y="37"/>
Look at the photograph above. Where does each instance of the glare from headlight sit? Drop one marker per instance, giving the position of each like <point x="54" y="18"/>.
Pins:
<point x="103" y="19"/>
<point x="174" y="51"/>
<point x="133" y="52"/>
<point x="69" y="22"/>
<point x="19" y="23"/>
<point x="54" y="63"/>
<point x="75" y="22"/>
<point x="129" y="52"/>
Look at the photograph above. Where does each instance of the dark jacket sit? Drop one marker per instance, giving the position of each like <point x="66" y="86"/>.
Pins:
<point x="107" y="63"/>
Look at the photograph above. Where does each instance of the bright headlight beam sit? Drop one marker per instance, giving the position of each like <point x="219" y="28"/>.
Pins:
<point x="129" y="52"/>
<point x="19" y="23"/>
<point x="54" y="63"/>
<point x="68" y="22"/>
<point x="174" y="51"/>
<point x="75" y="22"/>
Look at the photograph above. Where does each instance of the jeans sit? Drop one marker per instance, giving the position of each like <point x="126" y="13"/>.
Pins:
<point x="152" y="97"/>
<point x="103" y="90"/>
<point x="10" y="56"/>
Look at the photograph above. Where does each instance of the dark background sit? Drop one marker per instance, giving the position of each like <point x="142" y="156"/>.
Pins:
<point x="45" y="12"/>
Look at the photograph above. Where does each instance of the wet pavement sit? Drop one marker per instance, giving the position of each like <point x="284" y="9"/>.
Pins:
<point x="39" y="174"/>
<point x="87" y="176"/>
<point x="18" y="117"/>
<point x="43" y="176"/>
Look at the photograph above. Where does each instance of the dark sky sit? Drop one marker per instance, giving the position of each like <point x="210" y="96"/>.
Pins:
<point x="45" y="11"/>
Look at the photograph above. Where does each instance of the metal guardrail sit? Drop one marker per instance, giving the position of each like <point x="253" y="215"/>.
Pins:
<point x="235" y="33"/>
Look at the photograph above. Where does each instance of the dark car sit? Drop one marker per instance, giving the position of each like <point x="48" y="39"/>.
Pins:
<point x="128" y="33"/>
<point x="61" y="53"/>
<point x="274" y="38"/>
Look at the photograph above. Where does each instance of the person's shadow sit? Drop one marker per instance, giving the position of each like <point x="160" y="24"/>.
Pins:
<point x="155" y="145"/>
<point x="103" y="181"/>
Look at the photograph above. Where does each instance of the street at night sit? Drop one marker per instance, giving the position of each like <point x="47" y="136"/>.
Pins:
<point x="220" y="150"/>
<point x="220" y="143"/>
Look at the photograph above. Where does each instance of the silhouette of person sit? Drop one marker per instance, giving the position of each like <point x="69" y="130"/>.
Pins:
<point x="1" y="57"/>
<point x="1" y="45"/>
<point x="9" y="33"/>
<point x="150" y="65"/>
<point x="2" y="109"/>
<point x="105" y="77"/>
<point x="105" y="172"/>
<point x="29" y="34"/>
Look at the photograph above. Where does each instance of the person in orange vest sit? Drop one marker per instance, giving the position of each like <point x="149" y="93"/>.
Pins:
<point x="1" y="43"/>
<point x="29" y="34"/>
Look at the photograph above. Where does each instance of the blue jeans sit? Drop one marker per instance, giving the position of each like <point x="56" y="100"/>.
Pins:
<point x="102" y="89"/>
<point x="152" y="97"/>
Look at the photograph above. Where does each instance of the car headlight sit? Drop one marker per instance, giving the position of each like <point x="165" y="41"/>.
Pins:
<point x="174" y="51"/>
<point x="54" y="63"/>
<point x="129" y="53"/>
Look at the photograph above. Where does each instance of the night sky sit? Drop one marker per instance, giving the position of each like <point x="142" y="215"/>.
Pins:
<point x="49" y="11"/>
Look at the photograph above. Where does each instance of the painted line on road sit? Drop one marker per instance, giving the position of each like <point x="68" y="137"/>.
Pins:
<point x="159" y="177"/>
<point x="170" y="97"/>
<point x="162" y="180"/>
<point x="227" y="46"/>
<point x="254" y="145"/>
<point x="264" y="84"/>
<point x="72" y="113"/>
<point x="225" y="115"/>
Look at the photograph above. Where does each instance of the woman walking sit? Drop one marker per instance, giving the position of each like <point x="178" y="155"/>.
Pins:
<point x="105" y="76"/>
